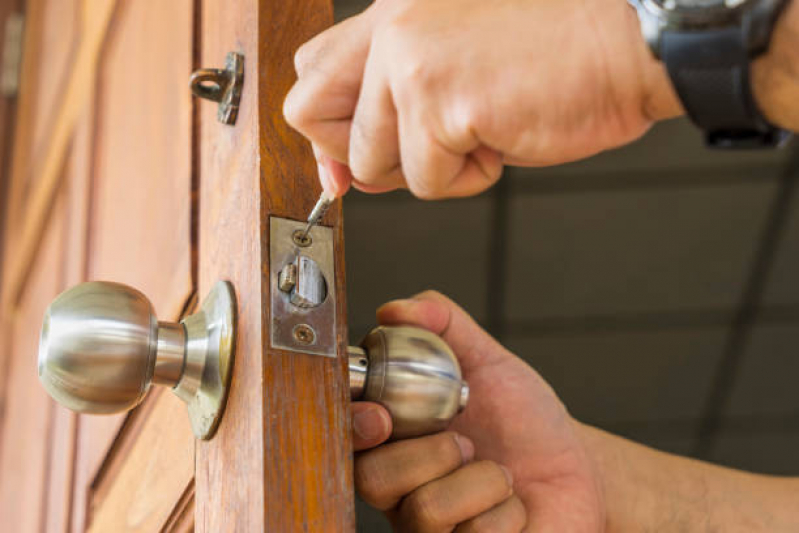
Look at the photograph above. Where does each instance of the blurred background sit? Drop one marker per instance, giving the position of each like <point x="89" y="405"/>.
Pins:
<point x="655" y="287"/>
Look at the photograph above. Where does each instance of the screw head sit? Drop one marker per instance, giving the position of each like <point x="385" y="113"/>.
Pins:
<point x="300" y="239"/>
<point x="304" y="334"/>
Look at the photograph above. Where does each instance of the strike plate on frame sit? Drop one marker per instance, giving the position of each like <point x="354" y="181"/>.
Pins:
<point x="302" y="288"/>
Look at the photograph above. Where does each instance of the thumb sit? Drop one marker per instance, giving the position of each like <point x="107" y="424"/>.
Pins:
<point x="371" y="425"/>
<point x="433" y="311"/>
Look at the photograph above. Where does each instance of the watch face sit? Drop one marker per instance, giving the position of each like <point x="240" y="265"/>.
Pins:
<point x="695" y="6"/>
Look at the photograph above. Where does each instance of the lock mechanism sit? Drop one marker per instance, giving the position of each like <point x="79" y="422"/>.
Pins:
<point x="302" y="288"/>
<point x="101" y="348"/>
<point x="414" y="374"/>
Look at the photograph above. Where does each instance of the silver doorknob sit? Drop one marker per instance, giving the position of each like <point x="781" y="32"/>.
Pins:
<point x="413" y="373"/>
<point x="101" y="348"/>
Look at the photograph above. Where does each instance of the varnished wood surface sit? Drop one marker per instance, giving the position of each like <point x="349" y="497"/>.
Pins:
<point x="307" y="397"/>
<point x="54" y="151"/>
<point x="50" y="40"/>
<point x="7" y="121"/>
<point x="140" y="207"/>
<point x="27" y="425"/>
<point x="285" y="438"/>
<point x="148" y="471"/>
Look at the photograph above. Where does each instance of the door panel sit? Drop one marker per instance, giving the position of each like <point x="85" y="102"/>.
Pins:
<point x="51" y="36"/>
<point x="140" y="212"/>
<point x="141" y="204"/>
<point x="149" y="469"/>
<point x="24" y="450"/>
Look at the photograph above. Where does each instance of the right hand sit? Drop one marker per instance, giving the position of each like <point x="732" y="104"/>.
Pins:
<point x="456" y="480"/>
<point x="437" y="96"/>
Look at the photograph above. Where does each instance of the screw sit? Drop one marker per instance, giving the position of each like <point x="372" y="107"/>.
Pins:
<point x="304" y="334"/>
<point x="300" y="239"/>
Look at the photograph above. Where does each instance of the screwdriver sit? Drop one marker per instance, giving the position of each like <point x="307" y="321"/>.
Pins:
<point x="322" y="205"/>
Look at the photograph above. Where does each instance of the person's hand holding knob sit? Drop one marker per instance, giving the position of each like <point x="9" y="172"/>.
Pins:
<point x="507" y="461"/>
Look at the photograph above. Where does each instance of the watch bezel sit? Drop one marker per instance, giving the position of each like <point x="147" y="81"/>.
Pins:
<point x="757" y="15"/>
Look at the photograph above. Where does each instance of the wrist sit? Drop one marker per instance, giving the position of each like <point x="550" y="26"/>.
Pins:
<point x="775" y="75"/>
<point x="659" y="100"/>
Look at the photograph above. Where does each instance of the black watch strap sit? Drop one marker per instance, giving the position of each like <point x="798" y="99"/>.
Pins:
<point x="710" y="72"/>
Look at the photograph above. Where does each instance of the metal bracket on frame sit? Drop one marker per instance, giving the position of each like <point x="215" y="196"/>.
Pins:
<point x="304" y="321"/>
<point x="222" y="86"/>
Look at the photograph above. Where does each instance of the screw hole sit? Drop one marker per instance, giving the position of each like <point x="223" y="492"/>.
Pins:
<point x="362" y="362"/>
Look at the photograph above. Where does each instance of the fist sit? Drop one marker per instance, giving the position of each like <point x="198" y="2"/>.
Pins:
<point x="437" y="96"/>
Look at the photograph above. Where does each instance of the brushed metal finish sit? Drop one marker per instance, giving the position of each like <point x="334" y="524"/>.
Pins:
<point x="415" y="375"/>
<point x="169" y="354"/>
<point x="289" y="314"/>
<point x="97" y="348"/>
<point x="101" y="347"/>
<point x="359" y="369"/>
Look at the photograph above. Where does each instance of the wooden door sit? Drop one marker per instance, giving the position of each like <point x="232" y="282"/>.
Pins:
<point x="118" y="174"/>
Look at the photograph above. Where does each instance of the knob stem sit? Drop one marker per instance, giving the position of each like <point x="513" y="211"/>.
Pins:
<point x="359" y="369"/>
<point x="169" y="360"/>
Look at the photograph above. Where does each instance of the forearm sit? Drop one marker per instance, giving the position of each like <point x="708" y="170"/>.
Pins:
<point x="648" y="490"/>
<point x="775" y="76"/>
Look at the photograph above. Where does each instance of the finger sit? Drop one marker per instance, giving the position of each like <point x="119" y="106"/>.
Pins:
<point x="330" y="66"/>
<point x="374" y="154"/>
<point x="437" y="313"/>
<point x="433" y="170"/>
<point x="507" y="517"/>
<point x="386" y="474"/>
<point x="458" y="497"/>
<point x="371" y="425"/>
<point x="337" y="178"/>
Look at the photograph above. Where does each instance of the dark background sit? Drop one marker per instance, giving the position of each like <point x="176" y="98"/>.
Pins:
<point x="655" y="287"/>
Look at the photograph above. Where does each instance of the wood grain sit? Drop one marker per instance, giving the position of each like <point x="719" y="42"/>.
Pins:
<point x="24" y="453"/>
<point x="148" y="473"/>
<point x="7" y="122"/>
<point x="50" y="39"/>
<point x="141" y="190"/>
<point x="285" y="439"/>
<point x="95" y="17"/>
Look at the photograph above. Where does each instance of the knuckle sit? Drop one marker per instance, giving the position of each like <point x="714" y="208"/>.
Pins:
<point x="445" y="447"/>
<point x="492" y="472"/>
<point x="370" y="479"/>
<point x="423" y="507"/>
<point x="306" y="56"/>
<point x="426" y="189"/>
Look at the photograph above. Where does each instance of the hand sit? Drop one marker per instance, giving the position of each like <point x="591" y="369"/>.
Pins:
<point x="454" y="479"/>
<point x="437" y="96"/>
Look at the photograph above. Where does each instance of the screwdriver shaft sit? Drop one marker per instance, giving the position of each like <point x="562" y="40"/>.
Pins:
<point x="319" y="210"/>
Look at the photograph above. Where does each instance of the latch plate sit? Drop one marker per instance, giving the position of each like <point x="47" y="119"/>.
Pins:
<point x="310" y="330"/>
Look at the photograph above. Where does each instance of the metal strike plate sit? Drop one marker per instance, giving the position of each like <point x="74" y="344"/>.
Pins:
<point x="300" y="328"/>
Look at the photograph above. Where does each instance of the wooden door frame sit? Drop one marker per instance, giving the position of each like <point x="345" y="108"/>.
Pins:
<point x="282" y="458"/>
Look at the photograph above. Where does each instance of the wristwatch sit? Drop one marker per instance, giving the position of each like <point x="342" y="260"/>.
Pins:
<point x="707" y="47"/>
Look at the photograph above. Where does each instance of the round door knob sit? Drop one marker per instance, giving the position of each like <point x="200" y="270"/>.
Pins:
<point x="101" y="347"/>
<point x="414" y="374"/>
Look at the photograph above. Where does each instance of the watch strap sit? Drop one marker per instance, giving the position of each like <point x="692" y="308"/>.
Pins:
<point x="710" y="72"/>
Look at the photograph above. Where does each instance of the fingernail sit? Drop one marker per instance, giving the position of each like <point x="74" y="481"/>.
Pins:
<point x="324" y="177"/>
<point x="508" y="476"/>
<point x="466" y="446"/>
<point x="368" y="424"/>
<point x="394" y="303"/>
